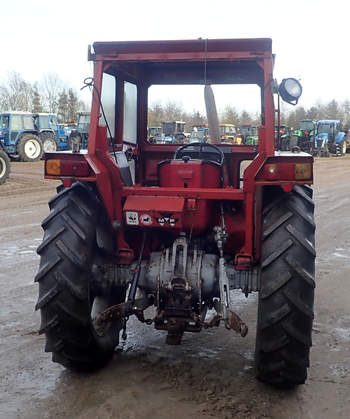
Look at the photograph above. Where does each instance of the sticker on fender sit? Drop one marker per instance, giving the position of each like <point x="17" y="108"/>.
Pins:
<point x="146" y="219"/>
<point x="132" y="218"/>
<point x="167" y="220"/>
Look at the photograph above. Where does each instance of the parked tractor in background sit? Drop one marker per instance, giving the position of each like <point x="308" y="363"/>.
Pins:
<point x="304" y="136"/>
<point x="184" y="229"/>
<point x="53" y="136"/>
<point x="249" y="134"/>
<point x="229" y="135"/>
<point x="200" y="133"/>
<point x="19" y="136"/>
<point x="5" y="165"/>
<point x="330" y="139"/>
<point x="175" y="129"/>
<point x="154" y="132"/>
<point x="79" y="137"/>
<point x="283" y="137"/>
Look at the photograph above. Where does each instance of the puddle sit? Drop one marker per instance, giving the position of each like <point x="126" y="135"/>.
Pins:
<point x="342" y="333"/>
<point x="22" y="249"/>
<point x="340" y="252"/>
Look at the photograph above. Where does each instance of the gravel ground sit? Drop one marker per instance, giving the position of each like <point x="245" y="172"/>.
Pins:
<point x="212" y="374"/>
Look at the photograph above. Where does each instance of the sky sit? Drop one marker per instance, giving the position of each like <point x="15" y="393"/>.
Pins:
<point x="310" y="38"/>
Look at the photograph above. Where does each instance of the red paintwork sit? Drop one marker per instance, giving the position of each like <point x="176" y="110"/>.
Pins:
<point x="194" y="174"/>
<point x="190" y="192"/>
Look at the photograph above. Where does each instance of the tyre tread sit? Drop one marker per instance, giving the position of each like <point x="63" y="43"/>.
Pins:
<point x="286" y="295"/>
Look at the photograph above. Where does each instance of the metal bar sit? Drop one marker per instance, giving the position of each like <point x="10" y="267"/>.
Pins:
<point x="196" y="193"/>
<point x="188" y="56"/>
<point x="136" y="276"/>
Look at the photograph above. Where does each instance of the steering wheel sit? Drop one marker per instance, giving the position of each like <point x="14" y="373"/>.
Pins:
<point x="201" y="151"/>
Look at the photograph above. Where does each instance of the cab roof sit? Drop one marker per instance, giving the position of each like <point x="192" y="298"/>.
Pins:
<point x="16" y="113"/>
<point x="328" y="121"/>
<point x="168" y="50"/>
<point x="226" y="61"/>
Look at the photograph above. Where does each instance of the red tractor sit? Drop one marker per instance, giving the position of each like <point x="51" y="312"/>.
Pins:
<point x="137" y="224"/>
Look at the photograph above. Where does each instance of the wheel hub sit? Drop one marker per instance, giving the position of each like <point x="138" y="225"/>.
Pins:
<point x="32" y="149"/>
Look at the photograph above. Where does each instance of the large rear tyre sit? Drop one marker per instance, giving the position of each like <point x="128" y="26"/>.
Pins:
<point x="68" y="299"/>
<point x="30" y="148"/>
<point x="4" y="167"/>
<point x="49" y="142"/>
<point x="286" y="296"/>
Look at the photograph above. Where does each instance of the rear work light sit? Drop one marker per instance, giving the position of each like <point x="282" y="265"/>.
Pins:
<point x="57" y="167"/>
<point x="288" y="171"/>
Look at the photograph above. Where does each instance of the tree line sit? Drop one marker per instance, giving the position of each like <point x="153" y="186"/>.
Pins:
<point x="173" y="111"/>
<point x="330" y="110"/>
<point x="50" y="95"/>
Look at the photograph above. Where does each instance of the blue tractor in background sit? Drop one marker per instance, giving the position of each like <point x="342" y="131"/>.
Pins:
<point x="79" y="136"/>
<point x="53" y="136"/>
<point x="330" y="139"/>
<point x="19" y="136"/>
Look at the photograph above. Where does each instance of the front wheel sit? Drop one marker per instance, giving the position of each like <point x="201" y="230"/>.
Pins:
<point x="30" y="148"/>
<point x="4" y="167"/>
<point x="286" y="297"/>
<point x="68" y="299"/>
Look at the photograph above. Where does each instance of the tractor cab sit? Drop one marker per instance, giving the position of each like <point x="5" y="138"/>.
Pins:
<point x="304" y="136"/>
<point x="79" y="136"/>
<point x="199" y="133"/>
<point x="52" y="134"/>
<point x="83" y="123"/>
<point x="18" y="136"/>
<point x="174" y="129"/>
<point x="249" y="134"/>
<point x="329" y="138"/>
<point x="153" y="133"/>
<point x="228" y="134"/>
<point x="307" y="126"/>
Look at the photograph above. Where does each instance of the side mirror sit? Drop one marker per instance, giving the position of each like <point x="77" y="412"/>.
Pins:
<point x="290" y="90"/>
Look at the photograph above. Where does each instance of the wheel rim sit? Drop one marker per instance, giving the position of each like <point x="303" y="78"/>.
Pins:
<point x="32" y="148"/>
<point x="2" y="167"/>
<point x="49" y="145"/>
<point x="344" y="148"/>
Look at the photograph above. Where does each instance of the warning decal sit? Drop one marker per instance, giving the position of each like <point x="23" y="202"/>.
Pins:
<point x="132" y="218"/>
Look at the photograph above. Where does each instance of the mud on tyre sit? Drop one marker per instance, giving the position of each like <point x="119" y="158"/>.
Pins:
<point x="286" y="297"/>
<point x="67" y="300"/>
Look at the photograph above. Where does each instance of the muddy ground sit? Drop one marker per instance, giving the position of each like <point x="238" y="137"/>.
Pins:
<point x="211" y="374"/>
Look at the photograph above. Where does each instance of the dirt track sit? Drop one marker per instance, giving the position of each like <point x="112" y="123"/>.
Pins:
<point x="211" y="374"/>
